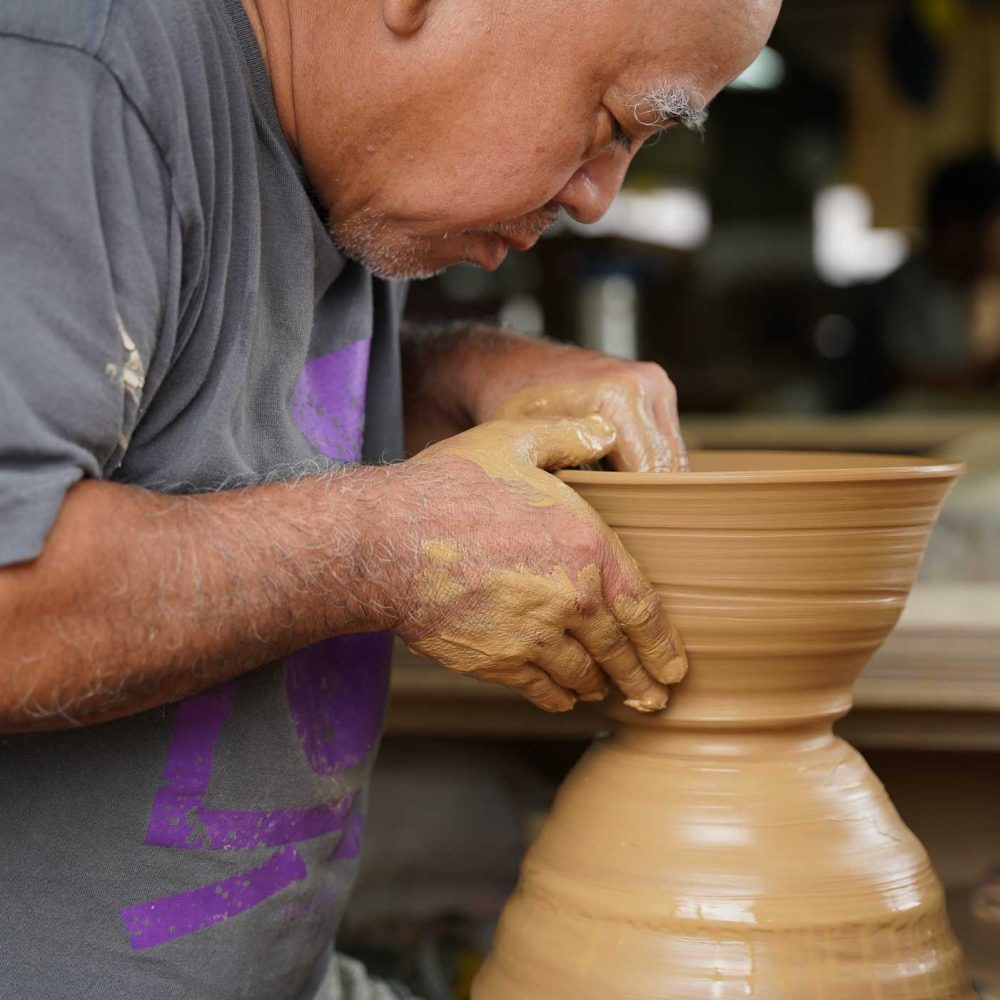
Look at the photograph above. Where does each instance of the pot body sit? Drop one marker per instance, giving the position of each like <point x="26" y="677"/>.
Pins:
<point x="731" y="846"/>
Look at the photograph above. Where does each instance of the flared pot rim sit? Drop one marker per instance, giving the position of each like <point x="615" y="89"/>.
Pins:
<point x="719" y="467"/>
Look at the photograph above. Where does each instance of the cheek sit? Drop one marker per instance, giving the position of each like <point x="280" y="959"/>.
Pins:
<point x="507" y="173"/>
<point x="485" y="158"/>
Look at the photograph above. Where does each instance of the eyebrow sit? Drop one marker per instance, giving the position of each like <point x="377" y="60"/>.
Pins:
<point x="667" y="103"/>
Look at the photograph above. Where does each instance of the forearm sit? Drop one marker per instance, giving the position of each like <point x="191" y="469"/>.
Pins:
<point x="139" y="598"/>
<point x="444" y="370"/>
<point x="463" y="376"/>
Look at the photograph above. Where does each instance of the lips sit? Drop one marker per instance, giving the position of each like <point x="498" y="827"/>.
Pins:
<point x="521" y="242"/>
<point x="496" y="248"/>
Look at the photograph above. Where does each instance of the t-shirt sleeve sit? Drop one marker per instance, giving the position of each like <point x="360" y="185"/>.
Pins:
<point x="85" y="228"/>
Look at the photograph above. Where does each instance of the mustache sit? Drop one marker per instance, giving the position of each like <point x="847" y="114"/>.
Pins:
<point x="527" y="226"/>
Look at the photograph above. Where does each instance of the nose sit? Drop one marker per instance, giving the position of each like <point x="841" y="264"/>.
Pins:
<point x="588" y="194"/>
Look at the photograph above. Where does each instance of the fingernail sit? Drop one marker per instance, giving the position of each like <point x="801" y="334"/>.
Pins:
<point x="594" y="696"/>
<point x="600" y="422"/>
<point x="675" y="670"/>
<point x="600" y="426"/>
<point x="648" y="702"/>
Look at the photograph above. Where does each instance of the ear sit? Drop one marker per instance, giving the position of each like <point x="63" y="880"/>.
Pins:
<point x="405" y="17"/>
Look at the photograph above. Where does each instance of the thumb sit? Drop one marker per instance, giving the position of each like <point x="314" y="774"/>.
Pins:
<point x="562" y="444"/>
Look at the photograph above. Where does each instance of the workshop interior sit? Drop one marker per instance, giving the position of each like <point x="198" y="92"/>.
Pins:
<point x="362" y="638"/>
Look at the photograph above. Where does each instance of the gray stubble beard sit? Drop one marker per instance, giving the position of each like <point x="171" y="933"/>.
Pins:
<point x="368" y="241"/>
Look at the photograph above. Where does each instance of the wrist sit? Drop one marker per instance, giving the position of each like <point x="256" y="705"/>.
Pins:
<point x="393" y="519"/>
<point x="350" y="530"/>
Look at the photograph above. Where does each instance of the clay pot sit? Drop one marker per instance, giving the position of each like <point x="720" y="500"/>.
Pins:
<point x="732" y="846"/>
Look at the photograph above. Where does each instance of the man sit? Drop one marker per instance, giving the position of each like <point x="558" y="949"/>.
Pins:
<point x="206" y="208"/>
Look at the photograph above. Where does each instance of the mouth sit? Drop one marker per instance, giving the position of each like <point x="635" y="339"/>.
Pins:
<point x="493" y="252"/>
<point x="520" y="234"/>
<point x="521" y="243"/>
<point x="497" y="247"/>
<point x="493" y="244"/>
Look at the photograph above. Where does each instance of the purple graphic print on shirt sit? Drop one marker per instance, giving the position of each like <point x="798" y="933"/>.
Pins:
<point x="335" y="705"/>
<point x="335" y="692"/>
<point x="328" y="404"/>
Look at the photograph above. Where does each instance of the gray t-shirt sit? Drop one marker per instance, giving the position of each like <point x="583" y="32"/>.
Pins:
<point x="174" y="314"/>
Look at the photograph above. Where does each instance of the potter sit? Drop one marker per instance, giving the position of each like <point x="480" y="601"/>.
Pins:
<point x="731" y="845"/>
<point x="228" y="474"/>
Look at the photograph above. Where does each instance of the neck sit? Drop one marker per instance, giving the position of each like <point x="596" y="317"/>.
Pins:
<point x="271" y="21"/>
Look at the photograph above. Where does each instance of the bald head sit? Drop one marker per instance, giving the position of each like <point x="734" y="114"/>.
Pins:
<point x="452" y="130"/>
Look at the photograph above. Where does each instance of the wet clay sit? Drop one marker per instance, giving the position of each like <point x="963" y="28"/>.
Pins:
<point x="516" y="451"/>
<point x="731" y="845"/>
<point x="648" y="440"/>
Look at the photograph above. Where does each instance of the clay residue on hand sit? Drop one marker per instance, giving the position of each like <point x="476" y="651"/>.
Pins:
<point x="556" y="606"/>
<point x="469" y="628"/>
<point x="538" y="444"/>
<point x="659" y="645"/>
<point x="644" y="443"/>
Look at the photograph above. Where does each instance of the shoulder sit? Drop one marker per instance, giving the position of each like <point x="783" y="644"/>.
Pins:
<point x="172" y="61"/>
<point x="99" y="27"/>
<point x="146" y="45"/>
<point x="75" y="24"/>
<point x="123" y="40"/>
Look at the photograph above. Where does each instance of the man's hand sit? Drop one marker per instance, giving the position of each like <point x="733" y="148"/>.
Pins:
<point x="465" y="377"/>
<point x="521" y="583"/>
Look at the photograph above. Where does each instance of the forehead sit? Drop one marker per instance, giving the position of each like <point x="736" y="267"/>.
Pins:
<point x="697" y="46"/>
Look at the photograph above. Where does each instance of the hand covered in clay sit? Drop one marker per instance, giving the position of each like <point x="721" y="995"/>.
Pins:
<point x="520" y="582"/>
<point x="541" y="379"/>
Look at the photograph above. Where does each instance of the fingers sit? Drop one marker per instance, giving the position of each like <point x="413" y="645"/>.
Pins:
<point x="668" y="424"/>
<point x="573" y="668"/>
<point x="640" y="446"/>
<point x="532" y="683"/>
<point x="644" y="415"/>
<point x="641" y="616"/>
<point x="562" y="444"/>
<point x="655" y="640"/>
<point x="639" y="405"/>
<point x="613" y="651"/>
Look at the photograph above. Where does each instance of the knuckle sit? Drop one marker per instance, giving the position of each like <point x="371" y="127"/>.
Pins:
<point x="538" y="686"/>
<point x="611" y="645"/>
<point x="654" y="371"/>
<point x="634" y="675"/>
<point x="640" y="611"/>
<point x="585" y="605"/>
<point x="563" y="604"/>
<point x="582" y="545"/>
<point x="579" y="670"/>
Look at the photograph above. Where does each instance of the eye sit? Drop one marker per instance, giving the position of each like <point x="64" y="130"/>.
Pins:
<point x="619" y="135"/>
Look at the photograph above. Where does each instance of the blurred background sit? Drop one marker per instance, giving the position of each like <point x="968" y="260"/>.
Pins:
<point x="847" y="187"/>
<point x="820" y="270"/>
